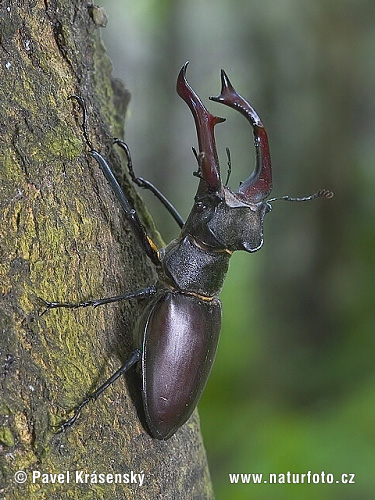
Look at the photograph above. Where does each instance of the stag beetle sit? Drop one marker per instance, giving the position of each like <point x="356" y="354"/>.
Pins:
<point x="177" y="333"/>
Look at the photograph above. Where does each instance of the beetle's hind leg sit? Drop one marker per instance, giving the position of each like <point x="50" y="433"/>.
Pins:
<point x="143" y="293"/>
<point x="131" y="361"/>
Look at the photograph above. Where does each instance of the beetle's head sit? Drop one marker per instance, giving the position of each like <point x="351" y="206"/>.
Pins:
<point x="220" y="218"/>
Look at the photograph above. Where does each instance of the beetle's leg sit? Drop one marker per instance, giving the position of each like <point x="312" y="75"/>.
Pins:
<point x="145" y="184"/>
<point x="133" y="359"/>
<point x="139" y="294"/>
<point x="130" y="213"/>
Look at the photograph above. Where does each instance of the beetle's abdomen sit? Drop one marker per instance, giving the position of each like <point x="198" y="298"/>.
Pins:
<point x="178" y="351"/>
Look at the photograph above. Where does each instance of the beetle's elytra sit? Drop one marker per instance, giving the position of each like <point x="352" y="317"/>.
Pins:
<point x="176" y="337"/>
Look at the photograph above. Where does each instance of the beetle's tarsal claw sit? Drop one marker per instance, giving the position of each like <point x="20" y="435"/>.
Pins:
<point x="81" y="102"/>
<point x="47" y="306"/>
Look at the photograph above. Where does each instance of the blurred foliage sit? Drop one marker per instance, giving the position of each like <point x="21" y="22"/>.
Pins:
<point x="292" y="388"/>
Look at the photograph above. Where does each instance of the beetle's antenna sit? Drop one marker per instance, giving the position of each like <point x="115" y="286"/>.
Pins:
<point x="81" y="102"/>
<point x="322" y="193"/>
<point x="195" y="154"/>
<point x="229" y="163"/>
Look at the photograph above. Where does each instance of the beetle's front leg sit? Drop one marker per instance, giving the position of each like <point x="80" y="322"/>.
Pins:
<point x="145" y="184"/>
<point x="146" y="243"/>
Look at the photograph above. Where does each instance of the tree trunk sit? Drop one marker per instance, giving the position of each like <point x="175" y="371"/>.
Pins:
<point x="63" y="237"/>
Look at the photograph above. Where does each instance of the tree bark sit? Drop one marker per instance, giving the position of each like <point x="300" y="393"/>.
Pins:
<point x="63" y="237"/>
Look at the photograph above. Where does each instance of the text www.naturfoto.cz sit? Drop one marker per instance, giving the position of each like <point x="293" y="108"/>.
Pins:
<point x="292" y="478"/>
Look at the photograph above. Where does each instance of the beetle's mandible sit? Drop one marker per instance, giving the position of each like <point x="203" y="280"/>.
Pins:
<point x="176" y="338"/>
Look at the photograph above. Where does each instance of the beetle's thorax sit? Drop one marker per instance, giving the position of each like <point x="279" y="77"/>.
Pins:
<point x="193" y="268"/>
<point x="197" y="261"/>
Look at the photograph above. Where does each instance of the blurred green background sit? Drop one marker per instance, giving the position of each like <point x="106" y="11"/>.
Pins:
<point x="292" y="388"/>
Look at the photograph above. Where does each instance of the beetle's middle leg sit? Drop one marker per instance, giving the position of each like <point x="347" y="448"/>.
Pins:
<point x="131" y="361"/>
<point x="143" y="293"/>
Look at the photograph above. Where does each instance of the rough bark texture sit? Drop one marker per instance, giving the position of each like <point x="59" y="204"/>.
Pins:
<point x="63" y="237"/>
